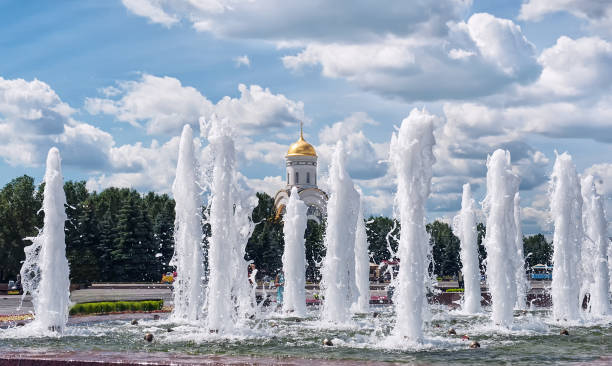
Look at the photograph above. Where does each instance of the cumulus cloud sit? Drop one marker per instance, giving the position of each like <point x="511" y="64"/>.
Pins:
<point x="303" y="20"/>
<point x="476" y="58"/>
<point x="603" y="177"/>
<point x="140" y="167"/>
<point x="573" y="68"/>
<point x="269" y="185"/>
<point x="33" y="118"/>
<point x="163" y="105"/>
<point x="597" y="13"/>
<point x="363" y="155"/>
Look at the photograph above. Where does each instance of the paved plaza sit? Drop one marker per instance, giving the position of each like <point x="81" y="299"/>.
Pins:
<point x="9" y="304"/>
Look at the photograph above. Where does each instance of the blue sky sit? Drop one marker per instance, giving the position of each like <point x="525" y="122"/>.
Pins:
<point x="111" y="83"/>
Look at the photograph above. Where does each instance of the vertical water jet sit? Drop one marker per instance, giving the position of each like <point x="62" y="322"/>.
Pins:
<point x="522" y="285"/>
<point x="596" y="240"/>
<point x="465" y="227"/>
<point x="294" y="256"/>
<point x="500" y="241"/>
<point x="338" y="272"/>
<point x="361" y="302"/>
<point x="566" y="213"/>
<point x="220" y="317"/>
<point x="45" y="272"/>
<point x="188" y="259"/>
<point x="411" y="156"/>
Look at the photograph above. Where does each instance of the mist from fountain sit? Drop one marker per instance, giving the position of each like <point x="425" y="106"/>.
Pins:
<point x="595" y="248"/>
<point x="338" y="272"/>
<point x="464" y="225"/>
<point x="361" y="302"/>
<point x="294" y="256"/>
<point x="522" y="284"/>
<point x="500" y="241"/>
<point x="412" y="158"/>
<point x="45" y="272"/>
<point x="566" y="213"/>
<point x="188" y="294"/>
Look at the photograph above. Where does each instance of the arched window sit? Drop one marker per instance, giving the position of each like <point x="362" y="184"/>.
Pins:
<point x="308" y="177"/>
<point x="287" y="178"/>
<point x="297" y="178"/>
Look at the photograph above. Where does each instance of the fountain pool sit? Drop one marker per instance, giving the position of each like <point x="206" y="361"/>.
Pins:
<point x="532" y="340"/>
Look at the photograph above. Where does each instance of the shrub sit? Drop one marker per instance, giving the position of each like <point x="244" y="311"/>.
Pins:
<point x="454" y="290"/>
<point x="116" y="306"/>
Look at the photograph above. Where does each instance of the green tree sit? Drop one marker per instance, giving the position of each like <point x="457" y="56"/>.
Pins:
<point x="105" y="247"/>
<point x="163" y="236"/>
<point x="19" y="219"/>
<point x="82" y="232"/>
<point x="83" y="252"/>
<point x="482" y="252"/>
<point x="266" y="244"/>
<point x="445" y="249"/>
<point x="537" y="250"/>
<point x="379" y="230"/>
<point x="315" y="249"/>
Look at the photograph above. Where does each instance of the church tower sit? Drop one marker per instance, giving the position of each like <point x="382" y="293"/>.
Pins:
<point x="301" y="164"/>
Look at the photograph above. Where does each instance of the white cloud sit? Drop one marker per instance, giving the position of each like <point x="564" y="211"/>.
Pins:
<point x="262" y="151"/>
<point x="349" y="61"/>
<point x="603" y="178"/>
<point x="139" y="167"/>
<point x="476" y="58"/>
<point x="269" y="185"/>
<point x="163" y="103"/>
<point x="574" y="68"/>
<point x="258" y="110"/>
<point x="150" y="9"/>
<point x="33" y="118"/>
<point x="363" y="155"/>
<point x="502" y="43"/>
<point x="242" y="61"/>
<point x="304" y="20"/>
<point x="164" y="106"/>
<point x="33" y="106"/>
<point x="598" y="13"/>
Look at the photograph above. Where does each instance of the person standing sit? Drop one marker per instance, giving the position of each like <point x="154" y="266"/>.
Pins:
<point x="279" y="282"/>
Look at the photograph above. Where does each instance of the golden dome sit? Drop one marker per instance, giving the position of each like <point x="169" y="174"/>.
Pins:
<point x="301" y="147"/>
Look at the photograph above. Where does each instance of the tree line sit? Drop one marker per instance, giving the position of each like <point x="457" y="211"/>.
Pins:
<point x="121" y="235"/>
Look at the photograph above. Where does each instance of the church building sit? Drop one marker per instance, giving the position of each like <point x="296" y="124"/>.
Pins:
<point x="301" y="163"/>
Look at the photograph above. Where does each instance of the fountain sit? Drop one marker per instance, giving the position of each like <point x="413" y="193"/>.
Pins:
<point x="338" y="272"/>
<point x="566" y="212"/>
<point x="465" y="227"/>
<point x="243" y="293"/>
<point x="522" y="286"/>
<point x="227" y="277"/>
<point x="412" y="158"/>
<point x="500" y="241"/>
<point x="188" y="259"/>
<point x="597" y="244"/>
<point x="45" y="270"/>
<point x="228" y="326"/>
<point x="294" y="257"/>
<point x="361" y="302"/>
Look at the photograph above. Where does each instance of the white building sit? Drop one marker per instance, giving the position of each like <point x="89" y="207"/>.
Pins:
<point x="301" y="162"/>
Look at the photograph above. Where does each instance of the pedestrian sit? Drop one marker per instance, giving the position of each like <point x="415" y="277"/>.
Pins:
<point x="279" y="282"/>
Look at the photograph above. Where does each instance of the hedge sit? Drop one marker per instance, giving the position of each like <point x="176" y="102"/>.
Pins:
<point x="116" y="306"/>
<point x="454" y="290"/>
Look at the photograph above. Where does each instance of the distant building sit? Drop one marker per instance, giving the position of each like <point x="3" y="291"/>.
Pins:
<point x="301" y="163"/>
